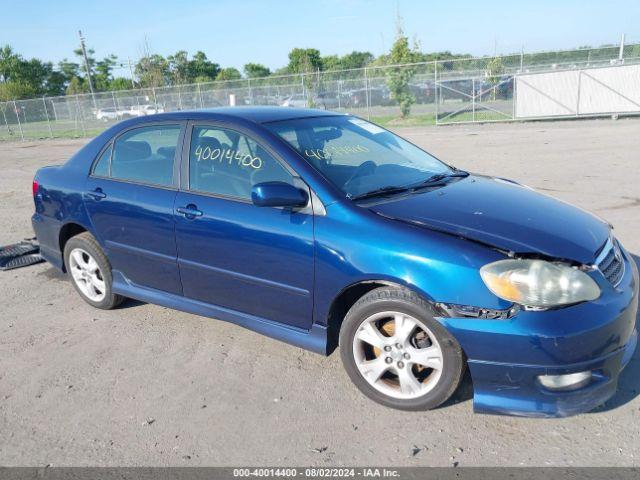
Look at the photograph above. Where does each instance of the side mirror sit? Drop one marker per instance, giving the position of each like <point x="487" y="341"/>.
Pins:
<point x="278" y="194"/>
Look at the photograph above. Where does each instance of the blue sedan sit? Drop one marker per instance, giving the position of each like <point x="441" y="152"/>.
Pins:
<point x="326" y="231"/>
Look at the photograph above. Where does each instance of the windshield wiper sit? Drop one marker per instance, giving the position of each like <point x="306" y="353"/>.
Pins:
<point x="439" y="177"/>
<point x="393" y="189"/>
<point x="380" y="192"/>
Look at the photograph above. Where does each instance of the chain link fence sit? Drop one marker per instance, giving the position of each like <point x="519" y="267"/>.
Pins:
<point x="446" y="91"/>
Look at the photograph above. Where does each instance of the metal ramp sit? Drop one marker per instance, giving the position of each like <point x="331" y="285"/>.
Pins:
<point x="21" y="254"/>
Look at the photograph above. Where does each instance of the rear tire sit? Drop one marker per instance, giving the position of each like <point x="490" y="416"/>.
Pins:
<point x="397" y="354"/>
<point x="90" y="272"/>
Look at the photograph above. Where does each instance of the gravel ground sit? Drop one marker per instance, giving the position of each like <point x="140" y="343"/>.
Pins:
<point x="145" y="385"/>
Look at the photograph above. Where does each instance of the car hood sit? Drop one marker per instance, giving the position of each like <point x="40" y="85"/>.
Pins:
<point x="505" y="215"/>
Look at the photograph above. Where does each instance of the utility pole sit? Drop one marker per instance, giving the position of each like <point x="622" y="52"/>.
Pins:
<point x="86" y="66"/>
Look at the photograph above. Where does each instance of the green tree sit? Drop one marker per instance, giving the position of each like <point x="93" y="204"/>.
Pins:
<point x="398" y="78"/>
<point x="229" y="73"/>
<point x="69" y="69"/>
<point x="200" y="67"/>
<point x="178" y="65"/>
<point x="495" y="69"/>
<point x="152" y="70"/>
<point x="356" y="59"/>
<point x="77" y="85"/>
<point x="331" y="62"/>
<point x="120" y="83"/>
<point x="24" y="75"/>
<point x="91" y="61"/>
<point x="9" y="61"/>
<point x="304" y="60"/>
<point x="256" y="70"/>
<point x="13" y="90"/>
<point x="103" y="72"/>
<point x="56" y="84"/>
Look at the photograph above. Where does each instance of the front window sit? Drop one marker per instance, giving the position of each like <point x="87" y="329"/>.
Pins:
<point x="226" y="162"/>
<point x="357" y="156"/>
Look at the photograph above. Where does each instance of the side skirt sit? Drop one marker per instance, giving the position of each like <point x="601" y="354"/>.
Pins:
<point x="314" y="339"/>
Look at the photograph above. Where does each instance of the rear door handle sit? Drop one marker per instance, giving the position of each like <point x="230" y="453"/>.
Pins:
<point x="190" y="211"/>
<point x="97" y="194"/>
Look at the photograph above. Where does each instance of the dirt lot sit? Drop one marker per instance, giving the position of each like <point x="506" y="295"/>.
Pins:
<point x="144" y="385"/>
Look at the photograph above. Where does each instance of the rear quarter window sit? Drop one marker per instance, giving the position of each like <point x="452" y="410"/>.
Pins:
<point x="101" y="167"/>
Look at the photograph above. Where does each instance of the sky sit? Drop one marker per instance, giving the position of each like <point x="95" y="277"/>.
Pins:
<point x="233" y="33"/>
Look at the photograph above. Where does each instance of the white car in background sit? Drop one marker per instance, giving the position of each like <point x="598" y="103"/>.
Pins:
<point x="110" y="113"/>
<point x="143" y="110"/>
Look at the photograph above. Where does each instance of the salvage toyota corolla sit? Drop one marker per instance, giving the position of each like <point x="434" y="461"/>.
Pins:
<point x="325" y="230"/>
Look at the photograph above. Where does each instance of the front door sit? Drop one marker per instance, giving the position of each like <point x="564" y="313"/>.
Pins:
<point x="130" y="199"/>
<point x="254" y="260"/>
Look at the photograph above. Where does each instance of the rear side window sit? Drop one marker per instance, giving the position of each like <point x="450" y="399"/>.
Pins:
<point x="146" y="155"/>
<point x="101" y="168"/>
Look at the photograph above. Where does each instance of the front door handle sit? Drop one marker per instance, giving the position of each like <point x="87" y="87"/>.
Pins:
<point x="190" y="211"/>
<point x="97" y="194"/>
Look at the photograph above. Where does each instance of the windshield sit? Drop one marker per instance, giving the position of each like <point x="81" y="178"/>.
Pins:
<point x="357" y="156"/>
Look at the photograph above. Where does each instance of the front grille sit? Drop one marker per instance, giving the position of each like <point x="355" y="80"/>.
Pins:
<point x="611" y="264"/>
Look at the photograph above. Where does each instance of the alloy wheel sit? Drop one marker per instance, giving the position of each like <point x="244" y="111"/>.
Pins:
<point x="397" y="355"/>
<point x="87" y="274"/>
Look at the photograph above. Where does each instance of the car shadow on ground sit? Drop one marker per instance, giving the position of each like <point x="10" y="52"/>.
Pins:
<point x="53" y="273"/>
<point x="629" y="381"/>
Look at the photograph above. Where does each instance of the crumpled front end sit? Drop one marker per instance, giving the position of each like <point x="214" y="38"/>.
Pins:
<point x="509" y="359"/>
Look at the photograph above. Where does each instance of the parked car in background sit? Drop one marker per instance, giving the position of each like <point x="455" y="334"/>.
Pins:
<point x="423" y="92"/>
<point x="110" y="113"/>
<point x="322" y="230"/>
<point x="143" y="110"/>
<point x="326" y="100"/>
<point x="298" y="100"/>
<point x="357" y="98"/>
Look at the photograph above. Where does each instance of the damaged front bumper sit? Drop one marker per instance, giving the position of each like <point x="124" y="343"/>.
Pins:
<point x="507" y="357"/>
<point x="516" y="389"/>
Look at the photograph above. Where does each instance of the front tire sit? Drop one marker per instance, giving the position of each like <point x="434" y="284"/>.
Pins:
<point x="90" y="271"/>
<point x="397" y="354"/>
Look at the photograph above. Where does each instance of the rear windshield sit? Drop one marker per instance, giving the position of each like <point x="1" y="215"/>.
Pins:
<point x="357" y="156"/>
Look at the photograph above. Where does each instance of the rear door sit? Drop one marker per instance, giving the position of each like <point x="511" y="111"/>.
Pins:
<point x="254" y="260"/>
<point x="130" y="198"/>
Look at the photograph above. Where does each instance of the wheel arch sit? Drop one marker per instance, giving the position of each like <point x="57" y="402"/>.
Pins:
<point x="349" y="295"/>
<point x="68" y="231"/>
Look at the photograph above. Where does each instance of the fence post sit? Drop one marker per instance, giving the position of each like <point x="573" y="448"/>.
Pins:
<point x="55" y="112"/>
<point x="4" y="115"/>
<point x="250" y="91"/>
<point x="514" y="94"/>
<point x="200" y="96"/>
<point x="366" y="93"/>
<point x="578" y="95"/>
<point x="46" y="112"/>
<point x="15" y="110"/>
<point x="473" y="99"/>
<point x="435" y="87"/>
<point x="80" y="115"/>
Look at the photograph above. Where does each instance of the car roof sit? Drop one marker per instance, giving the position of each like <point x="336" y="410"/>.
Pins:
<point x="252" y="114"/>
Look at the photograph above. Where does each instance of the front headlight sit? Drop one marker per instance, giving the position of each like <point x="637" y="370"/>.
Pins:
<point x="538" y="283"/>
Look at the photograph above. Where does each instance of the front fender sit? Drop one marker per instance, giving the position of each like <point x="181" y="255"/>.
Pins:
<point x="355" y="245"/>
